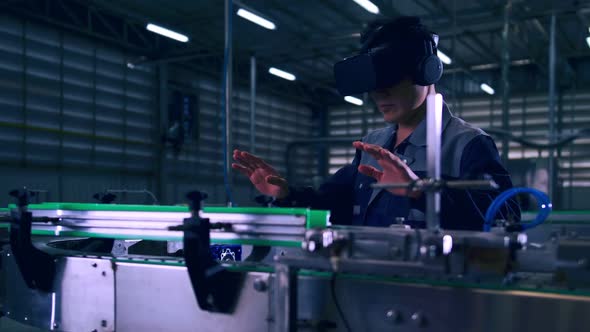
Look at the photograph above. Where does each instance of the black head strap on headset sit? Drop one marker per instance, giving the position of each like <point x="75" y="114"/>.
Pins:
<point x="389" y="53"/>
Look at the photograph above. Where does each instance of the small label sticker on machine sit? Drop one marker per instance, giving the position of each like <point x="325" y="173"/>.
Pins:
<point x="226" y="253"/>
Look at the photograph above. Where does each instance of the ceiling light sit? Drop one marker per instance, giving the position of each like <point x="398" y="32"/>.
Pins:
<point x="167" y="33"/>
<point x="487" y="89"/>
<point x="354" y="100"/>
<point x="444" y="58"/>
<point x="256" y="19"/>
<point x="588" y="41"/>
<point x="281" y="74"/>
<point x="368" y="5"/>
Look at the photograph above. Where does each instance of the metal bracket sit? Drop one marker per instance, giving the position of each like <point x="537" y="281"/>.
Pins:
<point x="216" y="288"/>
<point x="37" y="267"/>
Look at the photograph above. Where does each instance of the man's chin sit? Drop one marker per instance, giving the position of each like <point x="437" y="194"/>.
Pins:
<point x="388" y="118"/>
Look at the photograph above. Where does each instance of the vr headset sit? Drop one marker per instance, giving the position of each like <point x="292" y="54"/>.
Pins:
<point x="384" y="66"/>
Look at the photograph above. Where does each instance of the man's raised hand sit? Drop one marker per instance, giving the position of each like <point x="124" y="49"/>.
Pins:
<point x="394" y="170"/>
<point x="263" y="176"/>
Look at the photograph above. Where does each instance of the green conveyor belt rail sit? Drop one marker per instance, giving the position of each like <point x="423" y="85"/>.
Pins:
<point x="314" y="219"/>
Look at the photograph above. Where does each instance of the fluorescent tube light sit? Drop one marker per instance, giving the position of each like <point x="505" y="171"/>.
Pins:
<point x="167" y="33"/>
<point x="444" y="58"/>
<point x="281" y="74"/>
<point x="368" y="5"/>
<point x="256" y="19"/>
<point x="354" y="100"/>
<point x="487" y="89"/>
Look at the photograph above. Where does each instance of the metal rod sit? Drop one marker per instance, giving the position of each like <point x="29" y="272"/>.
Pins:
<point x="505" y="78"/>
<point x="285" y="298"/>
<point x="552" y="55"/>
<point x="423" y="185"/>
<point x="253" y="104"/>
<point x="228" y="93"/>
<point x="433" y="158"/>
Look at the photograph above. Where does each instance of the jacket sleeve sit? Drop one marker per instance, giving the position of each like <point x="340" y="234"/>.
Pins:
<point x="335" y="194"/>
<point x="466" y="209"/>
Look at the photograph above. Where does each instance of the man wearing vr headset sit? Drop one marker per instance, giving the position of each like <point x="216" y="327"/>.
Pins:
<point x="398" y="66"/>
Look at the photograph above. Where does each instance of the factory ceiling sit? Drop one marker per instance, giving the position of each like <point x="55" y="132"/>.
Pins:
<point x="310" y="35"/>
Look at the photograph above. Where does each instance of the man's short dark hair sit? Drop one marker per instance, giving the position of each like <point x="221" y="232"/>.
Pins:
<point x="407" y="29"/>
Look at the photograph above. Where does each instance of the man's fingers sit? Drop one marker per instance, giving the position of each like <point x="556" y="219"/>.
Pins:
<point x="255" y="161"/>
<point x="358" y="144"/>
<point x="244" y="170"/>
<point x="371" y="171"/>
<point x="243" y="161"/>
<point x="368" y="148"/>
<point x="246" y="159"/>
<point x="391" y="158"/>
<point x="250" y="157"/>
<point x="237" y="155"/>
<point x="372" y="149"/>
<point x="384" y="157"/>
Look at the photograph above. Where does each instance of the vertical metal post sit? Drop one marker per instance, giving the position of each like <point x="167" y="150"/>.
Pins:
<point x="551" y="168"/>
<point x="434" y="104"/>
<point x="455" y="95"/>
<point x="253" y="104"/>
<point x="125" y="158"/>
<point x="60" y="174"/>
<point x="161" y="119"/>
<point x="228" y="94"/>
<point x="505" y="78"/>
<point x="24" y="95"/>
<point x="285" y="298"/>
<point x="323" y="150"/>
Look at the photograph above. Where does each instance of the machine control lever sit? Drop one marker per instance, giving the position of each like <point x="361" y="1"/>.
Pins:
<point x="36" y="267"/>
<point x="215" y="288"/>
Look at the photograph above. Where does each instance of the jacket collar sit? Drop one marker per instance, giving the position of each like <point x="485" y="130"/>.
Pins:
<point x="418" y="136"/>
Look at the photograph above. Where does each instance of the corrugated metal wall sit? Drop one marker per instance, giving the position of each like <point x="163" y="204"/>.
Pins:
<point x="278" y="121"/>
<point x="528" y="118"/>
<point x="76" y="120"/>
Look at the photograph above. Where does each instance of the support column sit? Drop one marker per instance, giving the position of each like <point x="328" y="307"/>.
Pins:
<point x="506" y="79"/>
<point x="552" y="98"/>
<point x="253" y="104"/>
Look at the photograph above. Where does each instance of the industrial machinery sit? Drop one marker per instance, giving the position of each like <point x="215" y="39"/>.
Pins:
<point x="105" y="267"/>
<point x="316" y="278"/>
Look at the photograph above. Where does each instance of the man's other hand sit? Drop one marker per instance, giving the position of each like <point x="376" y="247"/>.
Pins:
<point x="263" y="176"/>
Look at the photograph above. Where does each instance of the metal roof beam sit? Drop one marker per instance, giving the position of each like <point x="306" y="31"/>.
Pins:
<point x="22" y="9"/>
